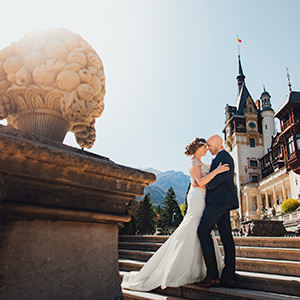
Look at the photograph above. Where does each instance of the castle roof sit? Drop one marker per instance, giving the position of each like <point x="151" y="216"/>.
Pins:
<point x="241" y="99"/>
<point x="292" y="97"/>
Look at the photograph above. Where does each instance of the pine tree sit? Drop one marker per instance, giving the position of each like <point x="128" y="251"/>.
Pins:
<point x="146" y="216"/>
<point x="171" y="215"/>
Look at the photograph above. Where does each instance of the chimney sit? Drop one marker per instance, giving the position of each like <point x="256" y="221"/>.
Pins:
<point x="257" y="104"/>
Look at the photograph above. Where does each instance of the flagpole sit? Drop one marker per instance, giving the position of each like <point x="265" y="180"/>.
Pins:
<point x="238" y="45"/>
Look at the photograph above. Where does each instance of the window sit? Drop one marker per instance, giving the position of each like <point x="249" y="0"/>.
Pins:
<point x="266" y="126"/>
<point x="253" y="163"/>
<point x="254" y="178"/>
<point x="291" y="147"/>
<point x="252" y="143"/>
<point x="298" y="140"/>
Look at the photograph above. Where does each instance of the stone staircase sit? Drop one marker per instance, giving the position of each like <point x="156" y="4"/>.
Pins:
<point x="267" y="267"/>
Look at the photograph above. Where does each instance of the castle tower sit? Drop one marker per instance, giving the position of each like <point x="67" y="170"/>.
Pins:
<point x="244" y="136"/>
<point x="268" y="123"/>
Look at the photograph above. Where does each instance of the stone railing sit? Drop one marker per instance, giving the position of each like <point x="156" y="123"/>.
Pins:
<point x="291" y="221"/>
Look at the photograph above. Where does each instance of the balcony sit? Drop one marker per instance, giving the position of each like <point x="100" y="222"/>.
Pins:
<point x="288" y="123"/>
<point x="272" y="161"/>
<point x="291" y="156"/>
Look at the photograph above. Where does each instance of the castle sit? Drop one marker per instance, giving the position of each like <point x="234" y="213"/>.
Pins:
<point x="267" y="164"/>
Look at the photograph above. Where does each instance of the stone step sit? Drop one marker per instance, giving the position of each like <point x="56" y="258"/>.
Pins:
<point x="139" y="246"/>
<point x="251" y="285"/>
<point x="129" y="265"/>
<point x="269" y="283"/>
<point x="208" y="294"/>
<point x="220" y="293"/>
<point x="136" y="251"/>
<point x="136" y="295"/>
<point x="135" y="254"/>
<point x="291" y="254"/>
<point x="144" y="238"/>
<point x="269" y="266"/>
<point x="278" y="242"/>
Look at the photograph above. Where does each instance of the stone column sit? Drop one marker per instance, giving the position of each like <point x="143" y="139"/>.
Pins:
<point x="267" y="207"/>
<point x="275" y="198"/>
<point x="267" y="200"/>
<point x="60" y="210"/>
<point x="259" y="203"/>
<point x="247" y="206"/>
<point x="283" y="191"/>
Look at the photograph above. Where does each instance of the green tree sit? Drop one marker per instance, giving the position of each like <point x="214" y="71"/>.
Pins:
<point x="146" y="216"/>
<point x="171" y="215"/>
<point x="289" y="205"/>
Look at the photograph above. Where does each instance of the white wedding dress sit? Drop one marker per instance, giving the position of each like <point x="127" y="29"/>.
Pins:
<point x="179" y="260"/>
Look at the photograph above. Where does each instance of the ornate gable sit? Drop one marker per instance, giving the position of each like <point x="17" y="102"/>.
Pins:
<point x="250" y="107"/>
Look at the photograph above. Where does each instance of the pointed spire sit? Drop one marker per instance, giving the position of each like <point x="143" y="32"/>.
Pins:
<point x="243" y="93"/>
<point x="241" y="77"/>
<point x="240" y="67"/>
<point x="265" y="91"/>
<point x="289" y="80"/>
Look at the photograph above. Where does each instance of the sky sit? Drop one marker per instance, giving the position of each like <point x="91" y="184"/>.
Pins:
<point x="170" y="65"/>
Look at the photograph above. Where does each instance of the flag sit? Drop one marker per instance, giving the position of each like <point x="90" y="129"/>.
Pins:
<point x="239" y="40"/>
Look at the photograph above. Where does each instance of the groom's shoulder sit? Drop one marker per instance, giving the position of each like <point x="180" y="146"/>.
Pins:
<point x="223" y="153"/>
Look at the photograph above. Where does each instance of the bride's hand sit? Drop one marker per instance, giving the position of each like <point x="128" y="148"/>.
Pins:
<point x="222" y="168"/>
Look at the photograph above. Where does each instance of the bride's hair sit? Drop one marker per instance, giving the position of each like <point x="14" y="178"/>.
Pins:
<point x="194" y="145"/>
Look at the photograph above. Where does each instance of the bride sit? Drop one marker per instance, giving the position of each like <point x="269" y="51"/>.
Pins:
<point x="179" y="260"/>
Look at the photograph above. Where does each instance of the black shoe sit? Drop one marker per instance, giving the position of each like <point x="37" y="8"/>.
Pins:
<point x="208" y="282"/>
<point x="227" y="283"/>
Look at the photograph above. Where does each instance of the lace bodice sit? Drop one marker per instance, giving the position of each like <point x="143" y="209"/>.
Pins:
<point x="203" y="168"/>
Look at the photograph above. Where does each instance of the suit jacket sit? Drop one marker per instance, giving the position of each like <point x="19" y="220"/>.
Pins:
<point x="221" y="189"/>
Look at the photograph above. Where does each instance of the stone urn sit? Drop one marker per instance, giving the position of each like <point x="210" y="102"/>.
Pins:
<point x="52" y="82"/>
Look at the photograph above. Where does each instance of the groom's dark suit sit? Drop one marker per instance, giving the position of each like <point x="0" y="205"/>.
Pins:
<point x="221" y="197"/>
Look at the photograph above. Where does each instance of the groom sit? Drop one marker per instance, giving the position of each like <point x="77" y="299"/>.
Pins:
<point x="221" y="197"/>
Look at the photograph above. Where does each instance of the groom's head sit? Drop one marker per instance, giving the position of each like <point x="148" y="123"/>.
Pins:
<point x="215" y="144"/>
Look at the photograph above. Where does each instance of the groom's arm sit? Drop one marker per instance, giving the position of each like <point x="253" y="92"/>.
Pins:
<point x="220" y="178"/>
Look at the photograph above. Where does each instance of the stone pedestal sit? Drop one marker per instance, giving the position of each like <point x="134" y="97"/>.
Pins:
<point x="59" y="209"/>
<point x="263" y="228"/>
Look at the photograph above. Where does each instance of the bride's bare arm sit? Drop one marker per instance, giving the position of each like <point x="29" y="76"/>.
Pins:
<point x="202" y="181"/>
<point x="206" y="165"/>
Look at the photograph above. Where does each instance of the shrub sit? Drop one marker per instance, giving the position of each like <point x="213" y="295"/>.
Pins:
<point x="289" y="205"/>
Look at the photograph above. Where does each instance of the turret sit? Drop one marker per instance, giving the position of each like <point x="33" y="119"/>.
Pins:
<point x="268" y="123"/>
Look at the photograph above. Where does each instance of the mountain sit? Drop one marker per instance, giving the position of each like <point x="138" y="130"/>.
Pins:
<point x="158" y="190"/>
